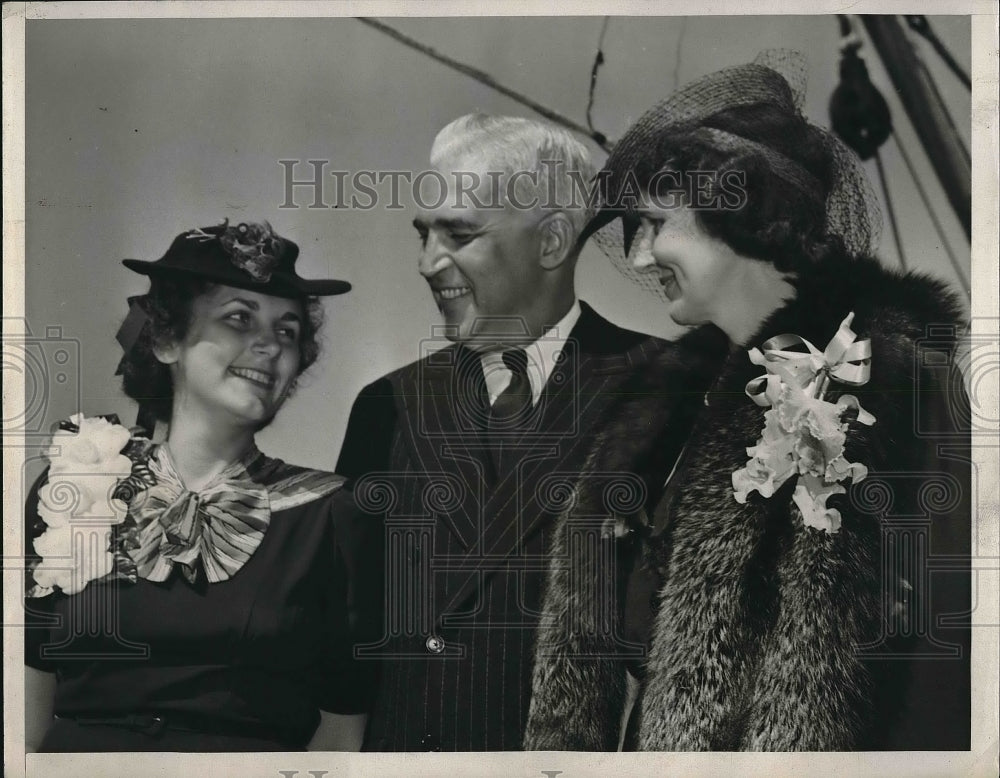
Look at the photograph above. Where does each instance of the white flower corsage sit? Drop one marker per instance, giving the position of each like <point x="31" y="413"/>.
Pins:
<point x="804" y="434"/>
<point x="85" y="498"/>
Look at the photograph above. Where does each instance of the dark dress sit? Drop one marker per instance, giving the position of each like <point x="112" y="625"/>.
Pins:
<point x="244" y="664"/>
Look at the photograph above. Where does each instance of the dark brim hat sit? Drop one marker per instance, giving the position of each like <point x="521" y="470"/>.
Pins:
<point x="249" y="255"/>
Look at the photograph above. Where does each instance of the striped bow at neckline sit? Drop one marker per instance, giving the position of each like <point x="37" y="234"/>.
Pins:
<point x="221" y="524"/>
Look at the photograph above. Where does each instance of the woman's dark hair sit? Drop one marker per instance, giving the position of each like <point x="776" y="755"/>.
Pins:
<point x="169" y="305"/>
<point x="774" y="220"/>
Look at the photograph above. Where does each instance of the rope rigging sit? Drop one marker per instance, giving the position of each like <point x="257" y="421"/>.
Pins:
<point x="860" y="115"/>
<point x="890" y="208"/>
<point x="598" y="61"/>
<point x="487" y="80"/>
<point x="858" y="112"/>
<point x="934" y="219"/>
<point x="919" y="24"/>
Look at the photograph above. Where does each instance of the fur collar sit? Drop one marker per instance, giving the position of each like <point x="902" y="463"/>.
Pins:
<point x="888" y="306"/>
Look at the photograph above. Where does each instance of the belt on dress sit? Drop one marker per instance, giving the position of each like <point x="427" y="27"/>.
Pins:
<point x="154" y="724"/>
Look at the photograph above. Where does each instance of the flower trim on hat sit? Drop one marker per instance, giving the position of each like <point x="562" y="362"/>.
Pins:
<point x="252" y="247"/>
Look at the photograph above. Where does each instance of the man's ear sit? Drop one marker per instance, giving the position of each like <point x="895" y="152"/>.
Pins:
<point x="167" y="351"/>
<point x="557" y="240"/>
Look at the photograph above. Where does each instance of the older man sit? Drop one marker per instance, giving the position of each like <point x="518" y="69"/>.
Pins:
<point x="466" y="452"/>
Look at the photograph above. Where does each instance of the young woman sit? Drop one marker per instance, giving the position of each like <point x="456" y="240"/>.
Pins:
<point x="770" y="596"/>
<point x="220" y="612"/>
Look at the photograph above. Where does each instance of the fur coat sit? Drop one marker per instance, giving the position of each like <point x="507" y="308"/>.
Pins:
<point x="769" y="634"/>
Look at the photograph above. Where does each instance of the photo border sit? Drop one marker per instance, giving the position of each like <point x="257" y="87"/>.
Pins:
<point x="981" y="760"/>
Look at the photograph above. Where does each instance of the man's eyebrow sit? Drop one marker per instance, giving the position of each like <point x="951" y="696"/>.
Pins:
<point x="447" y="223"/>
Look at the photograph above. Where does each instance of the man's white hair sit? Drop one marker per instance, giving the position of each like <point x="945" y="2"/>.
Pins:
<point x="559" y="162"/>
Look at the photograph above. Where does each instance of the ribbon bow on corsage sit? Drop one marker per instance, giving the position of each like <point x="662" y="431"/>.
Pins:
<point x="803" y="433"/>
<point x="221" y="525"/>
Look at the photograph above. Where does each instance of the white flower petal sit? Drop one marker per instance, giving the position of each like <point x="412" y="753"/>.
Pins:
<point x="55" y="542"/>
<point x="53" y="518"/>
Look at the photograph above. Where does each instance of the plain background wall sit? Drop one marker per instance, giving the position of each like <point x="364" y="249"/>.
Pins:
<point x="139" y="129"/>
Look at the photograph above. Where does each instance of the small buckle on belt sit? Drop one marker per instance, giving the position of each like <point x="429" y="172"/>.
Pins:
<point x="151" y="725"/>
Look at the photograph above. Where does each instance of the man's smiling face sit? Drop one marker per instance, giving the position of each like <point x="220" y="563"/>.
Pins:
<point x="481" y="263"/>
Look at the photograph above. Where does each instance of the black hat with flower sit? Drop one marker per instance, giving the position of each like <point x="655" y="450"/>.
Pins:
<point x="248" y="255"/>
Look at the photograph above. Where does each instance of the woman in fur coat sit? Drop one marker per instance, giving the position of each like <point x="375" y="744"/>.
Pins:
<point x="756" y="609"/>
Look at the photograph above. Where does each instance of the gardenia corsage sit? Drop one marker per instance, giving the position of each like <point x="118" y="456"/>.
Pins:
<point x="84" y="499"/>
<point x="804" y="435"/>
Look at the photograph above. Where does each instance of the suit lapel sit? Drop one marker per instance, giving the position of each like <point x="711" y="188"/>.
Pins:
<point x="442" y="402"/>
<point x="522" y="497"/>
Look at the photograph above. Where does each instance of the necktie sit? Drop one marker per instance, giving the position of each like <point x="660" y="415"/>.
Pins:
<point x="513" y="403"/>
<point x="510" y="409"/>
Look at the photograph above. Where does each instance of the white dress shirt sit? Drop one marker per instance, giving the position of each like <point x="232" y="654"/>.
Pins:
<point x="542" y="355"/>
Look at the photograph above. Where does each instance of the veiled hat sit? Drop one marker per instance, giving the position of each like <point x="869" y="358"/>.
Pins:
<point x="703" y="111"/>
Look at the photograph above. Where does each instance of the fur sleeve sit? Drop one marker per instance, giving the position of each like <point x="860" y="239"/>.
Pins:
<point x="579" y="682"/>
<point x="578" y="690"/>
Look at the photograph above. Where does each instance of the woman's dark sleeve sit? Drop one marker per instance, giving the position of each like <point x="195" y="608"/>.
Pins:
<point x="354" y="615"/>
<point x="38" y="611"/>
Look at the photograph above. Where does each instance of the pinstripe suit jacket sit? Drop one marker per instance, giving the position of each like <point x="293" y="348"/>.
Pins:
<point x="467" y="531"/>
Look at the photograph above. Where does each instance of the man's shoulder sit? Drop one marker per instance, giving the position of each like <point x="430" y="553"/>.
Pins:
<point x="387" y="385"/>
<point x="601" y="337"/>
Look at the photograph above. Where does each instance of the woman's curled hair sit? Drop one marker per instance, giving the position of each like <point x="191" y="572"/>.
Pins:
<point x="168" y="306"/>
